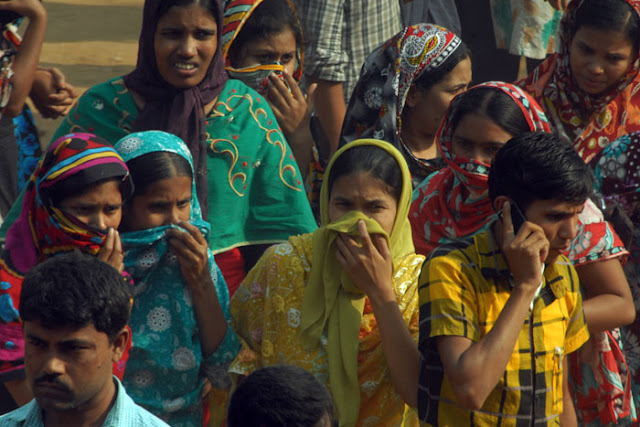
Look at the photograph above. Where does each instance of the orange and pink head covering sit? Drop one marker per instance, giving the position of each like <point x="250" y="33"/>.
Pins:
<point x="454" y="202"/>
<point x="378" y="100"/>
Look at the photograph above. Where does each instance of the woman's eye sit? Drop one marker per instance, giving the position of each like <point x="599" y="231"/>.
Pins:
<point x="464" y="145"/>
<point x="457" y="90"/>
<point x="266" y="59"/>
<point x="37" y="343"/>
<point x="586" y="50"/>
<point x="204" y="35"/>
<point x="170" y="34"/>
<point x="285" y="59"/>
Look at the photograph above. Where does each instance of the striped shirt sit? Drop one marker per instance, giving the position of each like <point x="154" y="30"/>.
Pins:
<point x="463" y="289"/>
<point x="123" y="413"/>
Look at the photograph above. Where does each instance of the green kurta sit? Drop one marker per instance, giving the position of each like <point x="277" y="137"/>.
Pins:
<point x="256" y="193"/>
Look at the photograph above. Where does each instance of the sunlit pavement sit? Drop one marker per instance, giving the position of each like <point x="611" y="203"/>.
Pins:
<point x="90" y="41"/>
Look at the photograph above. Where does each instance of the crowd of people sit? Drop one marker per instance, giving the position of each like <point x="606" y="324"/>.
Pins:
<point x="303" y="213"/>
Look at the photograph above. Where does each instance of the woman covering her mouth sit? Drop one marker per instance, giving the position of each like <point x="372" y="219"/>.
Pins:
<point x="247" y="180"/>
<point x="454" y="204"/>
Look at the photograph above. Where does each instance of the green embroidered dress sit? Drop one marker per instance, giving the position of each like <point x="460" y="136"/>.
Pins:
<point x="256" y="193"/>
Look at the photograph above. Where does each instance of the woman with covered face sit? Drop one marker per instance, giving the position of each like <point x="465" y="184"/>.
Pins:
<point x="342" y="302"/>
<point x="247" y="180"/>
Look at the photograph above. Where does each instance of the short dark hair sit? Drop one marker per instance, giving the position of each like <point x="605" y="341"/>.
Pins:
<point x="428" y="79"/>
<point x="539" y="166"/>
<point x="269" y="17"/>
<point x="372" y="160"/>
<point x="76" y="289"/>
<point x="610" y="15"/>
<point x="492" y="103"/>
<point x="278" y="396"/>
<point x="155" y="166"/>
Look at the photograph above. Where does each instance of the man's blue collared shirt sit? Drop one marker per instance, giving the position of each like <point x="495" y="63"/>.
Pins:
<point x="124" y="413"/>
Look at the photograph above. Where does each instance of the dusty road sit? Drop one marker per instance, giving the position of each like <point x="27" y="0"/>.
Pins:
<point x="90" y="41"/>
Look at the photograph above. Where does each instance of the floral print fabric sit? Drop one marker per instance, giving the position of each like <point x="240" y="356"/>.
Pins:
<point x="618" y="175"/>
<point x="525" y="27"/>
<point x="266" y="314"/>
<point x="589" y="123"/>
<point x="454" y="202"/>
<point x="166" y="371"/>
<point x="375" y="109"/>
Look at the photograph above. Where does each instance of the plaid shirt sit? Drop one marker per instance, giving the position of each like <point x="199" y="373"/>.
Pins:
<point x="340" y="34"/>
<point x="463" y="289"/>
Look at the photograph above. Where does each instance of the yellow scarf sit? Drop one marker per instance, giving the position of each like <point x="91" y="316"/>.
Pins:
<point x="332" y="301"/>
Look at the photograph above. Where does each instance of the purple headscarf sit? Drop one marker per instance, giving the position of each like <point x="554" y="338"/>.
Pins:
<point x="173" y="110"/>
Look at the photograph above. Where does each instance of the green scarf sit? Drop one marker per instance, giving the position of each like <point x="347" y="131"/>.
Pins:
<point x="332" y="301"/>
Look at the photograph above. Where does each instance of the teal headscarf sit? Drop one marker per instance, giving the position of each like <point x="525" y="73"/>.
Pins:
<point x="164" y="372"/>
<point x="140" y="143"/>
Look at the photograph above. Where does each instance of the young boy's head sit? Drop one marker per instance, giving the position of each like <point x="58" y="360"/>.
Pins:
<point x="281" y="395"/>
<point x="548" y="180"/>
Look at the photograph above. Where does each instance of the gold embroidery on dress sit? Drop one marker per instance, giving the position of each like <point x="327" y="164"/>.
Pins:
<point x="116" y="101"/>
<point x="233" y="155"/>
<point x="279" y="142"/>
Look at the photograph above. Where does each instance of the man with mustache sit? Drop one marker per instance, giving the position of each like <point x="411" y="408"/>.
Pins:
<point x="75" y="309"/>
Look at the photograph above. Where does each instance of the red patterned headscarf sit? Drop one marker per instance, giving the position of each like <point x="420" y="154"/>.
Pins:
<point x="588" y="122"/>
<point x="72" y="162"/>
<point x="454" y="202"/>
<point x="375" y="109"/>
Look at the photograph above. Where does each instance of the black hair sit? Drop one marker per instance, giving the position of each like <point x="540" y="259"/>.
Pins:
<point x="210" y="5"/>
<point x="279" y="396"/>
<point x="610" y="15"/>
<point x="430" y="78"/>
<point x="7" y="17"/>
<point x="75" y="289"/>
<point x="539" y="166"/>
<point x="74" y="186"/>
<point x="492" y="103"/>
<point x="269" y="17"/>
<point x="157" y="165"/>
<point x="370" y="159"/>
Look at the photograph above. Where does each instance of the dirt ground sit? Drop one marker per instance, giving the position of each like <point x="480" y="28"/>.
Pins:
<point x="90" y="41"/>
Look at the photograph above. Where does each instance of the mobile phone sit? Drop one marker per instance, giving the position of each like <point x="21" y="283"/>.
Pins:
<point x="517" y="217"/>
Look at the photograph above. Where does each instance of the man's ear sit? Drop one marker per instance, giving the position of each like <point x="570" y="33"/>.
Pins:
<point x="498" y="203"/>
<point x="120" y="343"/>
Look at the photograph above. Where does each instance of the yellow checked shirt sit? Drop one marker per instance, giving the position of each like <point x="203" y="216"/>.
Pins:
<point x="463" y="288"/>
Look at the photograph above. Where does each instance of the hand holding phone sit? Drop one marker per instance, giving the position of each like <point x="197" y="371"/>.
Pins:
<point x="524" y="252"/>
<point x="517" y="217"/>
